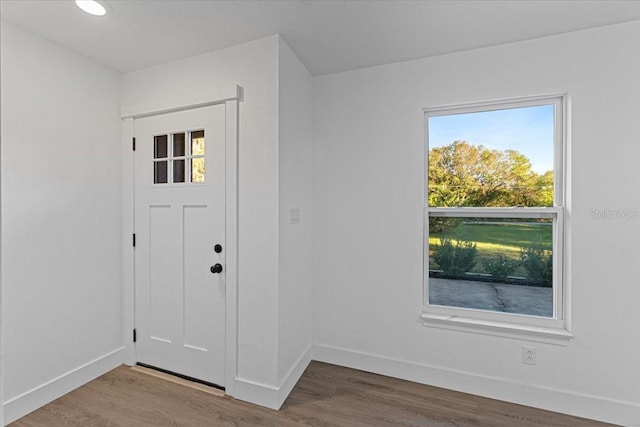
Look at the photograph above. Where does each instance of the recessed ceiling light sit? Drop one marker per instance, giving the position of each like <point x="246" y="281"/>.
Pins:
<point x="92" y="7"/>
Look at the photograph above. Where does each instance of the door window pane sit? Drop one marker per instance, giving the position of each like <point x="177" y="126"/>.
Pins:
<point x="160" y="147"/>
<point x="197" y="169"/>
<point x="197" y="143"/>
<point x="178" y="171"/>
<point x="178" y="145"/>
<point x="160" y="174"/>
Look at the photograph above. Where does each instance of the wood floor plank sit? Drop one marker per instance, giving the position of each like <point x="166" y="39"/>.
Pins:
<point x="325" y="396"/>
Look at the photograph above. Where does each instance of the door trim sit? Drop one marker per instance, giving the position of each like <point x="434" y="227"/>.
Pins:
<point x="230" y="96"/>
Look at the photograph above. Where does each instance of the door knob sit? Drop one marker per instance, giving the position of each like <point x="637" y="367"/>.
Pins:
<point x="216" y="268"/>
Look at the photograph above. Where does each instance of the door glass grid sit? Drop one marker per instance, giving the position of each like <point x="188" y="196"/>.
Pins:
<point x="176" y="161"/>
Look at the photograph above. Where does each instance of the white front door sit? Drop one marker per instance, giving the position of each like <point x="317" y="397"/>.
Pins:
<point x="179" y="242"/>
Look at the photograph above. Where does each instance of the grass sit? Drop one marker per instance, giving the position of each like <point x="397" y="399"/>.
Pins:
<point x="493" y="238"/>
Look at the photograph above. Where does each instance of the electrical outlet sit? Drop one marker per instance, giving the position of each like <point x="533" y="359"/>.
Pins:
<point x="529" y="355"/>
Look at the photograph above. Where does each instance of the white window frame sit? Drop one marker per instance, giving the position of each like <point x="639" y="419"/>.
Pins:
<point x="555" y="329"/>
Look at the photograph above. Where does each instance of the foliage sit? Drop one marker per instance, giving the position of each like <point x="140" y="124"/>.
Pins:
<point x="544" y="184"/>
<point x="539" y="265"/>
<point x="501" y="266"/>
<point x="462" y="174"/>
<point x="443" y="224"/>
<point x="455" y="260"/>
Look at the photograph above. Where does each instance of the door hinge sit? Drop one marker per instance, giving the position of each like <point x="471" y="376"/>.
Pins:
<point x="135" y="336"/>
<point x="134" y="240"/>
<point x="133" y="143"/>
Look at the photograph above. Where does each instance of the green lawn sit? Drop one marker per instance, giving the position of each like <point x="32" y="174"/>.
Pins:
<point x="493" y="237"/>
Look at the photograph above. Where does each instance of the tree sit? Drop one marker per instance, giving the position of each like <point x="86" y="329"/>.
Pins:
<point x="544" y="185"/>
<point x="462" y="174"/>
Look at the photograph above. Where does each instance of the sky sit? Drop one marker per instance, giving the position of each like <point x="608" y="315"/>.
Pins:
<point x="528" y="130"/>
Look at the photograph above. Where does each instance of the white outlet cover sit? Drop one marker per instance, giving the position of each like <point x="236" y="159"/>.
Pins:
<point x="529" y="355"/>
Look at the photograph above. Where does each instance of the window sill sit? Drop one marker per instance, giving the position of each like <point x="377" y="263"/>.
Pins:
<point x="501" y="329"/>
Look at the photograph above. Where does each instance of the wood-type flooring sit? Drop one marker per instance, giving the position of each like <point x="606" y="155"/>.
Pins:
<point x="326" y="395"/>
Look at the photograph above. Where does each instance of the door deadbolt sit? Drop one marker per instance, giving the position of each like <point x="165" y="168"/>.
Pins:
<point x="216" y="268"/>
<point x="217" y="249"/>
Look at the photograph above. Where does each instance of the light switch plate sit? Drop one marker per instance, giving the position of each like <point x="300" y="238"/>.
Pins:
<point x="294" y="215"/>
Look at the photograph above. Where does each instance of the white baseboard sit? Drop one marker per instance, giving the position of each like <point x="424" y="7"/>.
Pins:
<point x="257" y="393"/>
<point x="580" y="405"/>
<point x="19" y="406"/>
<point x="269" y="395"/>
<point x="293" y="375"/>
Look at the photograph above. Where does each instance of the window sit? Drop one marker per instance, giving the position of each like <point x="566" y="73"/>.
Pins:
<point x="493" y="216"/>
<point x="176" y="161"/>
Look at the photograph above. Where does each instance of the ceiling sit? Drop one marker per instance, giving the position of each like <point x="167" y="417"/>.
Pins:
<point x="328" y="36"/>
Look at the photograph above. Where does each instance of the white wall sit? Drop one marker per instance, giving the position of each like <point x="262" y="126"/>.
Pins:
<point x="61" y="273"/>
<point x="295" y="165"/>
<point x="254" y="67"/>
<point x="367" y="241"/>
<point x="274" y="175"/>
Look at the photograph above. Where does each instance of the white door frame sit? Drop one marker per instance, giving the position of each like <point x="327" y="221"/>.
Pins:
<point x="229" y="96"/>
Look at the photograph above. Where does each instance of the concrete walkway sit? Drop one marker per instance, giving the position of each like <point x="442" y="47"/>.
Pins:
<point x="530" y="300"/>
